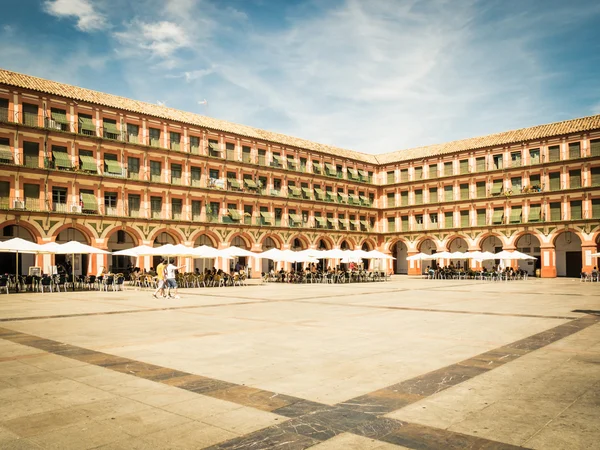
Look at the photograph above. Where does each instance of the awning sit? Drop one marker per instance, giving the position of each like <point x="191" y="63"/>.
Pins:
<point x="88" y="163"/>
<point x="277" y="159"/>
<point x="330" y="168"/>
<point x="59" y="116"/>
<point x="317" y="166"/>
<point x="352" y="171"/>
<point x="343" y="196"/>
<point x="363" y="173"/>
<point x="353" y="198"/>
<point x="233" y="183"/>
<point x="331" y="220"/>
<point x="235" y="214"/>
<point x="267" y="216"/>
<point x="110" y="127"/>
<point x="515" y="215"/>
<point x="320" y="193"/>
<point x="113" y="166"/>
<point x="250" y="183"/>
<point x="364" y="199"/>
<point x="364" y="223"/>
<point x="496" y="188"/>
<point x="6" y="154"/>
<point x="291" y="163"/>
<point x="307" y="191"/>
<point x="321" y="221"/>
<point x="497" y="217"/>
<point x="87" y="124"/>
<point x="61" y="158"/>
<point x="214" y="147"/>
<point x="343" y="222"/>
<point x="295" y="190"/>
<point x="296" y="217"/>
<point x="89" y="201"/>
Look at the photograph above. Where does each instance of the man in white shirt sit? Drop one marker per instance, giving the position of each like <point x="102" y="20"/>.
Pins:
<point x="171" y="282"/>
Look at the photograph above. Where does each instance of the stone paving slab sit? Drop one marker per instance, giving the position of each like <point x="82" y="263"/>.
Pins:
<point x="404" y="364"/>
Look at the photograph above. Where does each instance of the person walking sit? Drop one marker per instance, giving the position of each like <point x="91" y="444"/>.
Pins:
<point x="160" y="275"/>
<point x="171" y="282"/>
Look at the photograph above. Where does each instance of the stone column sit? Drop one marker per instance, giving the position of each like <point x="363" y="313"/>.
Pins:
<point x="548" y="255"/>
<point x="414" y="267"/>
<point x="588" y="261"/>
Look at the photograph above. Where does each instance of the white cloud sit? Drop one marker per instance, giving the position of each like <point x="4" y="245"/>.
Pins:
<point x="88" y="18"/>
<point x="161" y="39"/>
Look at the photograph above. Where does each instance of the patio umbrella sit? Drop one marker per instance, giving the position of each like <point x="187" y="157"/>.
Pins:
<point x="458" y="255"/>
<point x="595" y="254"/>
<point x="444" y="255"/>
<point x="417" y="257"/>
<point x="481" y="256"/>
<point x="375" y="254"/>
<point x="74" y="248"/>
<point x="206" y="252"/>
<point x="140" y="250"/>
<point x="18" y="245"/>
<point x="237" y="251"/>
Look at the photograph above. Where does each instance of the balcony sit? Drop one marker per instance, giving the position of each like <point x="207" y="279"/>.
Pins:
<point x="22" y="204"/>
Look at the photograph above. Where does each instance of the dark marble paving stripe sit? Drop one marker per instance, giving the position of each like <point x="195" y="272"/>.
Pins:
<point x="285" y="405"/>
<point x="396" y="396"/>
<point x="423" y="437"/>
<point x="133" y="311"/>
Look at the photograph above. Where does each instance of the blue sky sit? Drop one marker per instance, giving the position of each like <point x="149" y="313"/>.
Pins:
<point x="371" y="75"/>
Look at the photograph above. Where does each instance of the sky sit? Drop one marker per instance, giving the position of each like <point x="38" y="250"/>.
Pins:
<point x="373" y="76"/>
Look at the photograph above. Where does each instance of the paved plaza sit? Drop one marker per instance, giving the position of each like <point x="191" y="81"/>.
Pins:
<point x="408" y="363"/>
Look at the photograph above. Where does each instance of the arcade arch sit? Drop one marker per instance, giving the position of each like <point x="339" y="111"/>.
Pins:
<point x="201" y="264"/>
<point x="8" y="261"/>
<point x="121" y="240"/>
<point x="267" y="244"/>
<point x="529" y="244"/>
<point x="399" y="250"/>
<point x="82" y="263"/>
<point x="567" y="246"/>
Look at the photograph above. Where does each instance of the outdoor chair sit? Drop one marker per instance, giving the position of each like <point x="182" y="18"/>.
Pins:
<point x="4" y="284"/>
<point x="107" y="282"/>
<point x="585" y="277"/>
<point x="46" y="284"/>
<point x="236" y="280"/>
<point x="118" y="283"/>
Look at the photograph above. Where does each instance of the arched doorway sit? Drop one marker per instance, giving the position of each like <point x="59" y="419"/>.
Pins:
<point x="399" y="250"/>
<point x="8" y="260"/>
<point x="240" y="242"/>
<point x="567" y="246"/>
<point x="429" y="247"/>
<point x="121" y="240"/>
<point x="323" y="244"/>
<point x="530" y="245"/>
<point x="366" y="246"/>
<point x="81" y="264"/>
<point x="202" y="264"/>
<point x="491" y="244"/>
<point x="458" y="244"/>
<point x="297" y="245"/>
<point x="162" y="239"/>
<point x="268" y="264"/>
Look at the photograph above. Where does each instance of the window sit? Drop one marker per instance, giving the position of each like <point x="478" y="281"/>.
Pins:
<point x="595" y="147"/>
<point x="554" y="181"/>
<point x="61" y="158"/>
<point x="516" y="185"/>
<point x="391" y="177"/>
<point x="554" y="153"/>
<point x="433" y="220"/>
<point x="448" y="219"/>
<point x="481" y="218"/>
<point x="213" y="174"/>
<point x="534" y="181"/>
<point x="133" y="203"/>
<point x="403" y="175"/>
<point x="464" y="219"/>
<point x="433" y="171"/>
<point x="498" y="216"/>
<point x="266" y="218"/>
<point x="464" y="192"/>
<point x="174" y="140"/>
<point x="87" y="162"/>
<point x="230" y="151"/>
<point x="133" y="133"/>
<point x="303" y="164"/>
<point x="418" y="196"/>
<point x="515" y="159"/>
<point x="156" y="207"/>
<point x="88" y="201"/>
<point x="596" y="208"/>
<point x="574" y="150"/>
<point x="498" y="161"/>
<point x="59" y="199"/>
<point x="262" y="157"/>
<point x="112" y="165"/>
<point x="31" y="154"/>
<point x="480" y="164"/>
<point x="110" y="203"/>
<point x="515" y="214"/>
<point x="176" y="208"/>
<point x="391" y="224"/>
<point x="109" y="129"/>
<point x="555" y="215"/>
<point x="278" y="212"/>
<point x="233" y="215"/>
<point x="448" y="193"/>
<point x="433" y="195"/>
<point x="30" y="115"/>
<point x="276" y="161"/>
<point x="195" y="174"/>
<point x="248" y="214"/>
<point x="576" y="211"/>
<point x="196" y="209"/>
<point x="32" y="196"/>
<point x="404" y="198"/>
<point x="404" y="223"/>
<point x="535" y="213"/>
<point x="534" y="156"/>
<point x="246" y="154"/>
<point x="574" y="179"/>
<point x="481" y="191"/>
<point x="448" y="169"/>
<point x="176" y="173"/>
<point x="419" y="221"/>
<point x="155" y="171"/>
<point x="418" y="173"/>
<point x="154" y="137"/>
<point x="391" y="200"/>
<point x="133" y="168"/>
<point x="339" y="171"/>
<point x="497" y="187"/>
<point x="3" y="110"/>
<point x="195" y="145"/>
<point x="464" y="166"/>
<point x="58" y="119"/>
<point x="595" y="176"/>
<point x="86" y="125"/>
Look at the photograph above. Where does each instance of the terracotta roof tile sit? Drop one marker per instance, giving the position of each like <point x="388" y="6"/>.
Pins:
<point x="163" y="112"/>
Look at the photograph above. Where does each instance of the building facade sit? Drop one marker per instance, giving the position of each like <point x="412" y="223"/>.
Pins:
<point x="76" y="164"/>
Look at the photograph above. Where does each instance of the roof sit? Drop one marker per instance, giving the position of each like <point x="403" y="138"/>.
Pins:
<point x="113" y="101"/>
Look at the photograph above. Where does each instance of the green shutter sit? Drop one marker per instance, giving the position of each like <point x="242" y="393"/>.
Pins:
<point x="404" y="198"/>
<point x="554" y="153"/>
<point x="330" y="168"/>
<point x="574" y="179"/>
<point x="481" y="217"/>
<point x="317" y="168"/>
<point x="86" y="124"/>
<point x="321" y="221"/>
<point x="535" y="213"/>
<point x="319" y="194"/>
<point x="6" y="154"/>
<point x="464" y="219"/>
<point x="498" y="217"/>
<point x="464" y="192"/>
<point x="59" y="116"/>
<point x="574" y="150"/>
<point x="404" y="223"/>
<point x="464" y="166"/>
<point x="576" y="210"/>
<point x="554" y="212"/>
<point x="418" y="197"/>
<point x="596" y="208"/>
<point x="89" y="201"/>
<point x="61" y="158"/>
<point x="534" y="156"/>
<point x="481" y="189"/>
<point x="250" y="183"/>
<point x="480" y="164"/>
<point x="497" y="187"/>
<point x="554" y="181"/>
<point x="234" y="214"/>
<point x="433" y="195"/>
<point x="595" y="175"/>
<point x="391" y="177"/>
<point x="515" y="214"/>
<point x="297" y="218"/>
<point x="448" y="169"/>
<point x="267" y="217"/>
<point x="448" y="220"/>
<point x="88" y="163"/>
<point x="113" y="166"/>
<point x="233" y="183"/>
<point x="418" y="173"/>
<point x="110" y="127"/>
<point x="403" y="175"/>
<point x="595" y="147"/>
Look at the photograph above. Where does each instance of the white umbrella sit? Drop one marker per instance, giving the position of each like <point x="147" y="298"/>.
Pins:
<point x="206" y="252"/>
<point x="481" y="256"/>
<point x="595" y="254"/>
<point x="417" y="257"/>
<point x="334" y="253"/>
<point x="237" y="251"/>
<point x="273" y="254"/>
<point x="519" y="255"/>
<point x="140" y="250"/>
<point x="458" y="255"/>
<point x="441" y="255"/>
<point x="375" y="254"/>
<point x="18" y="245"/>
<point x="74" y="247"/>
